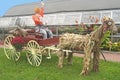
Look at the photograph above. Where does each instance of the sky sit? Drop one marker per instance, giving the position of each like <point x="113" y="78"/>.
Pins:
<point x="7" y="4"/>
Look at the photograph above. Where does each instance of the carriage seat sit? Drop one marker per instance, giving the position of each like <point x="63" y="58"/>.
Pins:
<point x="37" y="35"/>
<point x="31" y="31"/>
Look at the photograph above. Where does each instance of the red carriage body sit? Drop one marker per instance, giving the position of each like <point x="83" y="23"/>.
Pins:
<point x="34" y="46"/>
<point x="38" y="38"/>
<point x="43" y="42"/>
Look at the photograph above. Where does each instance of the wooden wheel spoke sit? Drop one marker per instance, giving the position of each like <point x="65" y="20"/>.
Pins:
<point x="35" y="46"/>
<point x="29" y="45"/>
<point x="29" y="48"/>
<point x="39" y="55"/>
<point x="31" y="59"/>
<point x="7" y="41"/>
<point x="7" y="45"/>
<point x="28" y="51"/>
<point x="37" y="60"/>
<point x="34" y="60"/>
<point x="14" y="57"/>
<point x="8" y="50"/>
<point x="30" y="56"/>
<point x="18" y="54"/>
<point x="11" y="55"/>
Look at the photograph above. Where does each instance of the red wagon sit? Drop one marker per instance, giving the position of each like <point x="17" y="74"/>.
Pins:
<point x="33" y="45"/>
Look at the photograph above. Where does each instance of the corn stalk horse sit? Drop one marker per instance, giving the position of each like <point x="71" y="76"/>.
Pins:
<point x="90" y="43"/>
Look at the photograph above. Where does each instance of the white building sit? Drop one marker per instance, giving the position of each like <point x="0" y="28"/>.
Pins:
<point x="62" y="12"/>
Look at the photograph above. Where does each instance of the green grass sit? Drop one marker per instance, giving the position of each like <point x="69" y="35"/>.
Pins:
<point x="48" y="70"/>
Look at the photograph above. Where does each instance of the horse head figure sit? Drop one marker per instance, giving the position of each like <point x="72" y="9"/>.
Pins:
<point x="19" y="32"/>
<point x="108" y="24"/>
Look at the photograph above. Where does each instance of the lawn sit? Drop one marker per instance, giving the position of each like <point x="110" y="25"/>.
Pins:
<point x="48" y="70"/>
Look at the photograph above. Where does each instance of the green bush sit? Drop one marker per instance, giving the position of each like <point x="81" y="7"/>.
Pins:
<point x="115" y="46"/>
<point x="108" y="45"/>
<point x="106" y="41"/>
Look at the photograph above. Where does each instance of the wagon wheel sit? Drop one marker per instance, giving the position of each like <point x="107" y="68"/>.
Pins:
<point x="34" y="53"/>
<point x="10" y="50"/>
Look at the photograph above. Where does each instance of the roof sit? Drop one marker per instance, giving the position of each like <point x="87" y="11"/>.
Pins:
<point x="56" y="6"/>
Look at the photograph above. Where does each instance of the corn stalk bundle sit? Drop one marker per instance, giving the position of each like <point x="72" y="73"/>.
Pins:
<point x="72" y="41"/>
